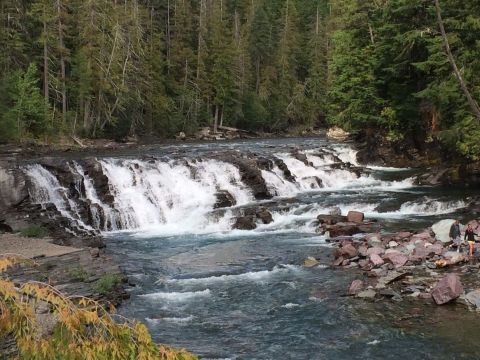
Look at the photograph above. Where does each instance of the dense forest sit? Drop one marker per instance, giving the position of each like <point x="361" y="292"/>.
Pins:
<point x="114" y="68"/>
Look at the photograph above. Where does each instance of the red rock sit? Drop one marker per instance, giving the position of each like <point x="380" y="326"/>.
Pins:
<point x="447" y="289"/>
<point x="403" y="235"/>
<point x="355" y="287"/>
<point x="396" y="259"/>
<point x="424" y="236"/>
<point x="436" y="249"/>
<point x="348" y="251"/>
<point x="376" y="260"/>
<point x="363" y="263"/>
<point x="376" y="250"/>
<point x="355" y="216"/>
<point x="346" y="262"/>
<point x="338" y="261"/>
<point x="425" y="296"/>
<point x="342" y="229"/>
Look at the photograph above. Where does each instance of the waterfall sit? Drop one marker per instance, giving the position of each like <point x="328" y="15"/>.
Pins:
<point x="181" y="195"/>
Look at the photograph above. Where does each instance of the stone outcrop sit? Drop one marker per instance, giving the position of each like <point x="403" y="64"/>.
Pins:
<point x="447" y="289"/>
<point x="355" y="217"/>
<point x="337" y="134"/>
<point x="251" y="217"/>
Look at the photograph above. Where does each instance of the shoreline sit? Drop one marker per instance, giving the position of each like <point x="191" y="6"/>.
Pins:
<point x="418" y="265"/>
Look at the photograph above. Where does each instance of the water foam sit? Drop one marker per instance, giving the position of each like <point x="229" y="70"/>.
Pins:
<point x="177" y="296"/>
<point x="255" y="276"/>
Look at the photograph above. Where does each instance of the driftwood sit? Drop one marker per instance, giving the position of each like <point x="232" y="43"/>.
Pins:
<point x="227" y="128"/>
<point x="77" y="141"/>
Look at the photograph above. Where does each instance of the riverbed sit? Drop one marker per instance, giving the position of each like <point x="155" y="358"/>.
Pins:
<point x="243" y="294"/>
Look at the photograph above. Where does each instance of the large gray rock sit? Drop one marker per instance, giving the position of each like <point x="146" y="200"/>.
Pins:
<point x="12" y="188"/>
<point x="473" y="298"/>
<point x="442" y="229"/>
<point x="447" y="289"/>
<point x="245" y="223"/>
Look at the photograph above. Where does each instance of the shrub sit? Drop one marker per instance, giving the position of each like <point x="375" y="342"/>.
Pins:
<point x="34" y="232"/>
<point x="84" y="329"/>
<point x="78" y="273"/>
<point x="106" y="283"/>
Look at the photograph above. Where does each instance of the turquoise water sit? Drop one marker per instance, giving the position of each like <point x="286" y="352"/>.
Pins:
<point x="244" y="294"/>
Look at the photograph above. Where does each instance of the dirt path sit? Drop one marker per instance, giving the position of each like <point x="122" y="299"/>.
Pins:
<point x="31" y="247"/>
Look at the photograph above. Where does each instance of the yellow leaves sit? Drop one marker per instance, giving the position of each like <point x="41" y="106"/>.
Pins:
<point x="7" y="261"/>
<point x="84" y="329"/>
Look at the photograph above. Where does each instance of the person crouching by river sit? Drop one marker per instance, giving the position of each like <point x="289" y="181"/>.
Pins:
<point x="470" y="237"/>
<point x="455" y="234"/>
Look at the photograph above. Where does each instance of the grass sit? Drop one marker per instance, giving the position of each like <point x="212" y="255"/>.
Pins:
<point x="34" y="232"/>
<point x="78" y="273"/>
<point x="106" y="283"/>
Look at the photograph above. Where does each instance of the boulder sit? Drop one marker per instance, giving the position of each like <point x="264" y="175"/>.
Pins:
<point x="342" y="229"/>
<point x="245" y="223"/>
<point x="336" y="211"/>
<point x="376" y="260"/>
<point x="348" y="251"/>
<point x="181" y="136"/>
<point x="442" y="229"/>
<point x="363" y="251"/>
<point x="373" y="239"/>
<point x="376" y="250"/>
<point x="355" y="287"/>
<point x="264" y="215"/>
<point x="392" y="244"/>
<point x="338" y="261"/>
<point x="473" y="298"/>
<point x="355" y="217"/>
<point x="403" y="235"/>
<point x="396" y="259"/>
<point x="331" y="219"/>
<point x="447" y="289"/>
<point x="337" y="134"/>
<point x="450" y="258"/>
<point x="224" y="199"/>
<point x="310" y="262"/>
<point x="367" y="294"/>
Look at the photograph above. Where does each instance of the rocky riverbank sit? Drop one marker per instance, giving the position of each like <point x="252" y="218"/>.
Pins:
<point x="439" y="164"/>
<point x="75" y="272"/>
<point x="420" y="266"/>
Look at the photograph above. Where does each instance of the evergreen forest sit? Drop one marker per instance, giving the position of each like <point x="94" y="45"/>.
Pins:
<point x="118" y="68"/>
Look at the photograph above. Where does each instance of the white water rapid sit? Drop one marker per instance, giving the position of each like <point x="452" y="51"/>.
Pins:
<point x="203" y="195"/>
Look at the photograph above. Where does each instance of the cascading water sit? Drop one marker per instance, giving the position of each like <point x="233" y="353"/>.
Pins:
<point x="180" y="195"/>
<point x="241" y="294"/>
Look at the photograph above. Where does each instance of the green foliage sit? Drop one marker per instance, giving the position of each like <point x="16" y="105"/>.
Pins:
<point x="157" y="68"/>
<point x="78" y="273"/>
<point x="107" y="283"/>
<point x="34" y="232"/>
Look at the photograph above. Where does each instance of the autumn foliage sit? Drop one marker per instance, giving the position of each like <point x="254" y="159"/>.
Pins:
<point x="82" y="328"/>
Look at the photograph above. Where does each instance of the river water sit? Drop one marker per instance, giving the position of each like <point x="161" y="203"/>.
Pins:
<point x="233" y="294"/>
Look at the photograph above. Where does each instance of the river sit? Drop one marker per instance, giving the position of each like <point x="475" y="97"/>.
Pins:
<point x="243" y="294"/>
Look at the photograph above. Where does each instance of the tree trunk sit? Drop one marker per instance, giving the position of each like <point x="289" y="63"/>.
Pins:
<point x="471" y="101"/>
<point x="45" y="60"/>
<point x="168" y="34"/>
<point x="62" y="64"/>
<point x="257" y="75"/>
<point x="215" y="120"/>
